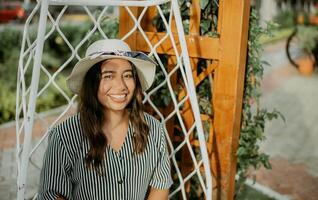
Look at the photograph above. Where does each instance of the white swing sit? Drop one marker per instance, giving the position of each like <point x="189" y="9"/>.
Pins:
<point x="30" y="149"/>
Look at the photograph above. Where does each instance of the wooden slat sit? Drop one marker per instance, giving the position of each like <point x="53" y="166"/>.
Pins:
<point x="205" y="73"/>
<point x="220" y="15"/>
<point x="197" y="79"/>
<point x="196" y="143"/>
<point x="199" y="47"/>
<point x="195" y="17"/>
<point x="228" y="93"/>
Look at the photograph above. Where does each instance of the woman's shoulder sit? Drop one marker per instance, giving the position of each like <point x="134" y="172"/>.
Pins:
<point x="70" y="132"/>
<point x="152" y="121"/>
<point x="156" y="128"/>
<point x="69" y="127"/>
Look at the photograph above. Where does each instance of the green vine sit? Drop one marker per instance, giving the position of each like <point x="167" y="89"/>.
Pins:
<point x="254" y="116"/>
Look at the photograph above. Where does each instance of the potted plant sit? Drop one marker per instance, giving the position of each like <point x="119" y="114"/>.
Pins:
<point x="308" y="40"/>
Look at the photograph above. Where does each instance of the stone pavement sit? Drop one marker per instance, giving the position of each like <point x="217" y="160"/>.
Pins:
<point x="291" y="144"/>
<point x="7" y="174"/>
<point x="8" y="166"/>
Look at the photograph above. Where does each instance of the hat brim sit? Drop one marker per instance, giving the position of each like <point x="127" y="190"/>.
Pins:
<point x="146" y="71"/>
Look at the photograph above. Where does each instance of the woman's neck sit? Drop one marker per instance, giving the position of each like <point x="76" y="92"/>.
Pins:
<point x="115" y="118"/>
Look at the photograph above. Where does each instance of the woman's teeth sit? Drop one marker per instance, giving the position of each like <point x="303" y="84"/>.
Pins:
<point x="119" y="97"/>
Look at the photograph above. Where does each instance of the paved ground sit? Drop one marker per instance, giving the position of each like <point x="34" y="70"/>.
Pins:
<point x="8" y="166"/>
<point x="292" y="145"/>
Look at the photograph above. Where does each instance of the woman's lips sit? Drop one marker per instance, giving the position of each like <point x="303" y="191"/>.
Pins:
<point x="118" y="97"/>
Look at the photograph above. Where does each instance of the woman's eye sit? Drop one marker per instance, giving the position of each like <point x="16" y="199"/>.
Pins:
<point x="107" y="76"/>
<point x="128" y="75"/>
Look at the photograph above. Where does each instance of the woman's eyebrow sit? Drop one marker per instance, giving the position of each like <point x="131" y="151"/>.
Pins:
<point x="111" y="71"/>
<point x="108" y="71"/>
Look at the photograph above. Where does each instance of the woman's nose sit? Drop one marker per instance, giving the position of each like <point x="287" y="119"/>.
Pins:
<point x="119" y="83"/>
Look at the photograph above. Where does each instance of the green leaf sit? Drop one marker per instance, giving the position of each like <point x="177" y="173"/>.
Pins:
<point x="203" y="4"/>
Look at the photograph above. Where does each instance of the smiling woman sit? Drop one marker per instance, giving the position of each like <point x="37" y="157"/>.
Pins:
<point x="111" y="149"/>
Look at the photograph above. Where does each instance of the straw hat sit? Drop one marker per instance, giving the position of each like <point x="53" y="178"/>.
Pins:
<point x="107" y="49"/>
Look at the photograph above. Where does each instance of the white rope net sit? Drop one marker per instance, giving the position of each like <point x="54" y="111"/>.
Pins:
<point x="41" y="76"/>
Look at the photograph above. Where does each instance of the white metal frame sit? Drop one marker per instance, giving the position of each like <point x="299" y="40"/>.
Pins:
<point x="27" y="95"/>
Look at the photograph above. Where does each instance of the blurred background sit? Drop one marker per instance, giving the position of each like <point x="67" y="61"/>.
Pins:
<point x="289" y="85"/>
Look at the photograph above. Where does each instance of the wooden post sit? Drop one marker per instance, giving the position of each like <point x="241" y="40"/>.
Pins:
<point x="228" y="93"/>
<point x="127" y="24"/>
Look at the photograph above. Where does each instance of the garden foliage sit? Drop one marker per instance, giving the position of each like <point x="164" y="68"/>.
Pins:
<point x="55" y="53"/>
<point x="254" y="116"/>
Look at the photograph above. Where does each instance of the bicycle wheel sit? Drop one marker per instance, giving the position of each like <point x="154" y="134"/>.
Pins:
<point x="294" y="49"/>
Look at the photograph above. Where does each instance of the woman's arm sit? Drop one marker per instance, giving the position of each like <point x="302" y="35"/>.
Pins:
<point x="54" y="178"/>
<point x="157" y="194"/>
<point x="161" y="179"/>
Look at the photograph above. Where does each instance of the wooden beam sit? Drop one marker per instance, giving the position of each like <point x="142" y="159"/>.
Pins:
<point x="199" y="46"/>
<point x="228" y="93"/>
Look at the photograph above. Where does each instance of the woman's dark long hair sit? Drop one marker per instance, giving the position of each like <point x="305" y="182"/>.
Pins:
<point x="92" y="118"/>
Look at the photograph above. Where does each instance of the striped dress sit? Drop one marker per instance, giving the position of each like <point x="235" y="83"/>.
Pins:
<point x="127" y="175"/>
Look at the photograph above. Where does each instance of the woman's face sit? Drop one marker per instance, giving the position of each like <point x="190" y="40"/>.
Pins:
<point x="117" y="84"/>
